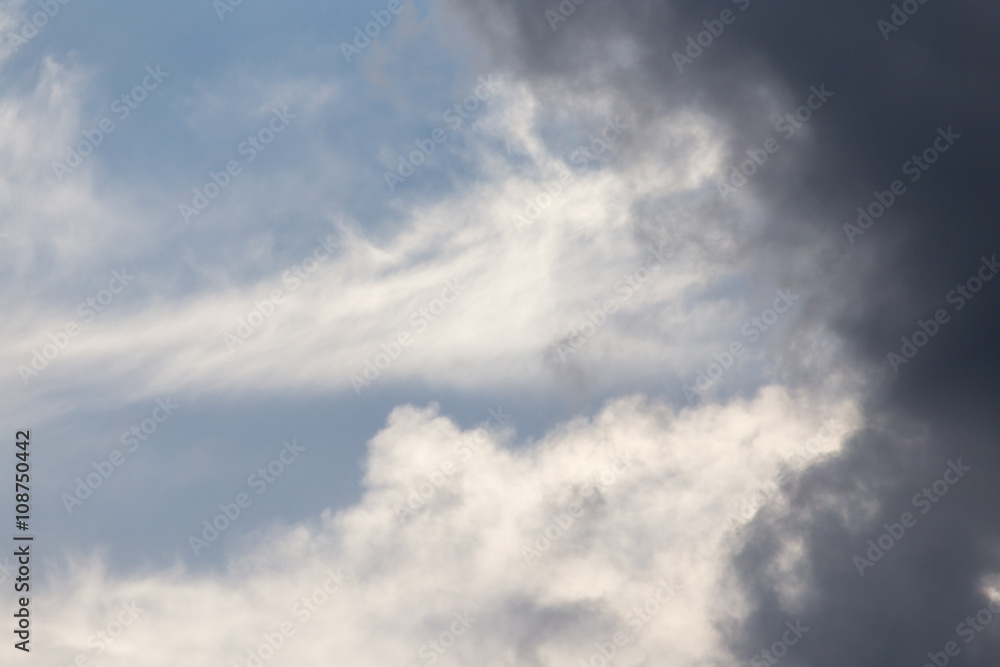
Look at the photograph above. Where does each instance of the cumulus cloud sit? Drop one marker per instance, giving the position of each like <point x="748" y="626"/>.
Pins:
<point x="544" y="548"/>
<point x="866" y="291"/>
<point x="570" y="242"/>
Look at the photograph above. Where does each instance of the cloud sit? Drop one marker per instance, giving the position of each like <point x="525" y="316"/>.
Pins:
<point x="548" y="546"/>
<point x="531" y="253"/>
<point x="531" y="248"/>
<point x="862" y="297"/>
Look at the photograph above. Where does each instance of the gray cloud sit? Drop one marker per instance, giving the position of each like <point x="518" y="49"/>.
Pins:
<point x="891" y="96"/>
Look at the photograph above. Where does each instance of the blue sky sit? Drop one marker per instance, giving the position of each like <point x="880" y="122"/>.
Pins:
<point x="192" y="278"/>
<point x="230" y="246"/>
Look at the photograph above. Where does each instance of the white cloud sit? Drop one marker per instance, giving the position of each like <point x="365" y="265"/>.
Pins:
<point x="663" y="517"/>
<point x="526" y="289"/>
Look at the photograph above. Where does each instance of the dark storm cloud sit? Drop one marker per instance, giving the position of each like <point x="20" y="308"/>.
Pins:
<point x="932" y="84"/>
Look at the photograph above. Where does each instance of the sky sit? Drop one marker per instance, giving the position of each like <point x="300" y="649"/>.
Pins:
<point x="559" y="333"/>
